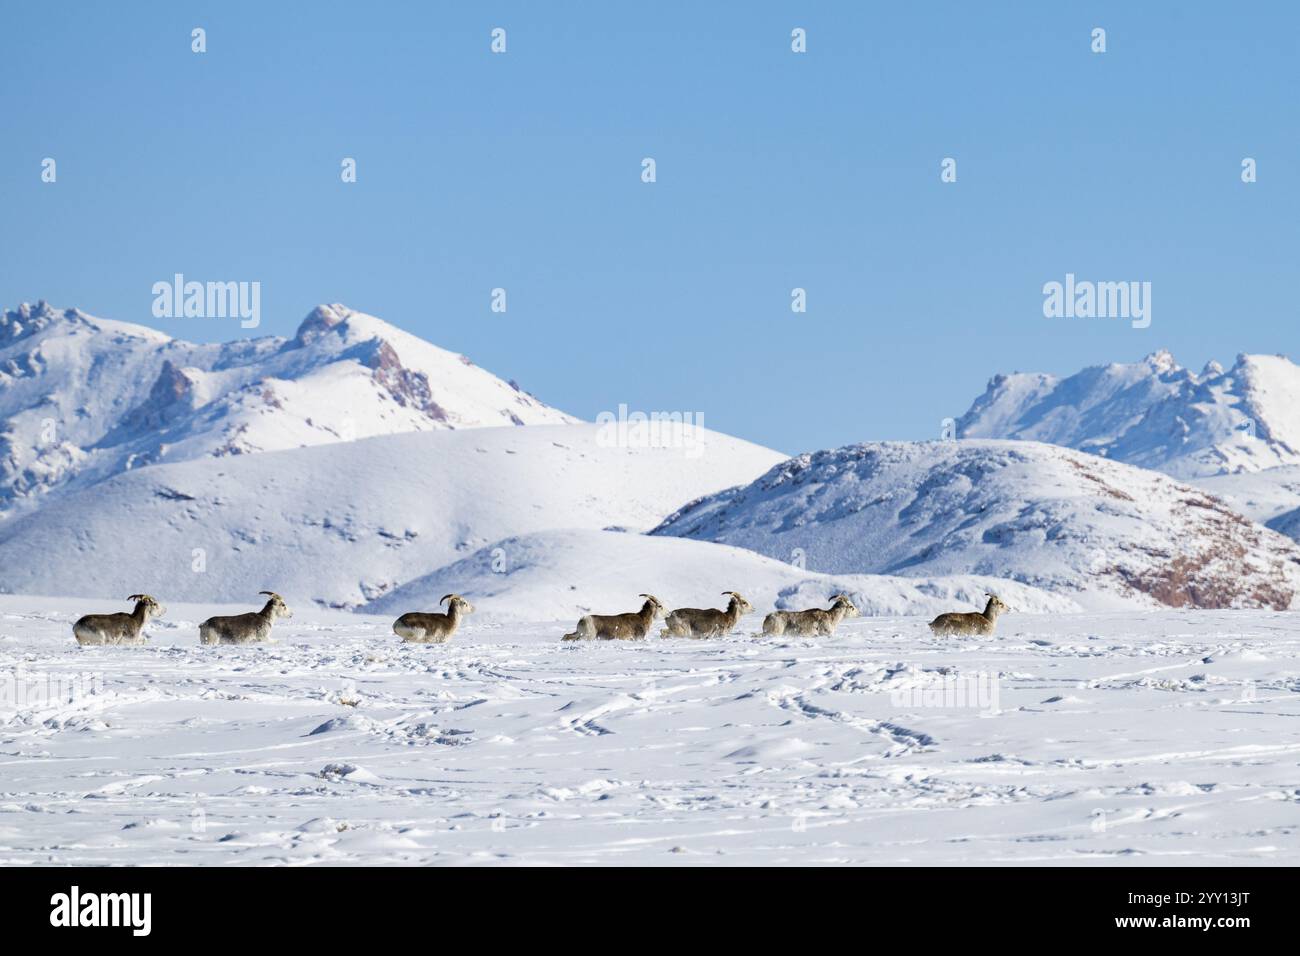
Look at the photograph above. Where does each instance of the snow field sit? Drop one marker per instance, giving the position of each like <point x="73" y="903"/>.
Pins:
<point x="1132" y="737"/>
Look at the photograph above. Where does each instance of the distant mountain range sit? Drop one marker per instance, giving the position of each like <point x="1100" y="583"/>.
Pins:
<point x="83" y="398"/>
<point x="1154" y="414"/>
<point x="355" y="465"/>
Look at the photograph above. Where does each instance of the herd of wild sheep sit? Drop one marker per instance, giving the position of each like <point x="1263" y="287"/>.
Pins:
<point x="419" y="627"/>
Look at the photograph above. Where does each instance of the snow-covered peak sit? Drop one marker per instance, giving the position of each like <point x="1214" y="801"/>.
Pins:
<point x="1161" y="361"/>
<point x="83" y="398"/>
<point x="30" y="320"/>
<point x="320" y="320"/>
<point x="1154" y="413"/>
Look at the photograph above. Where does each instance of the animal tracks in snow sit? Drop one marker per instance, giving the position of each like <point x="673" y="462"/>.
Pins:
<point x="1125" y="738"/>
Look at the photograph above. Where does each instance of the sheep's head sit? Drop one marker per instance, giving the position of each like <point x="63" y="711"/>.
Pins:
<point x="151" y="607"/>
<point x="655" y="603"/>
<point x="843" y="600"/>
<point x="277" y="605"/>
<point x="996" y="604"/>
<point x="744" y="606"/>
<point x="458" y="602"/>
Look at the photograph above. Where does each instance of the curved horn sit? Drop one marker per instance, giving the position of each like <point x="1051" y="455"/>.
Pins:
<point x="651" y="597"/>
<point x="446" y="597"/>
<point x="271" y="594"/>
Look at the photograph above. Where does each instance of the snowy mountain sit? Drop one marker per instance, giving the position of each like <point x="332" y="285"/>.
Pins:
<point x="83" y="398"/>
<point x="343" y="523"/>
<point x="349" y="466"/>
<point x="1154" y="413"/>
<point x="561" y="575"/>
<point x="1099" y="531"/>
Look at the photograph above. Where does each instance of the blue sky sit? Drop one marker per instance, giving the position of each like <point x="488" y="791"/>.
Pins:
<point x="775" y="171"/>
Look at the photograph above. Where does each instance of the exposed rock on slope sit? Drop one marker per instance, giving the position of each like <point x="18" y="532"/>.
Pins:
<point x="1051" y="517"/>
<point x="83" y="398"/>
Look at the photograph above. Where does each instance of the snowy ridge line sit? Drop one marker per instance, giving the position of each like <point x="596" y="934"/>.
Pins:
<point x="563" y="575"/>
<point x="1100" y="532"/>
<point x="1154" y="413"/>
<point x="83" y="399"/>
<point x="343" y="524"/>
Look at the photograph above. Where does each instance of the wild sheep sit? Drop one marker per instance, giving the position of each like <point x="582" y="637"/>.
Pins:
<point x="633" y="626"/>
<point x="417" y="627"/>
<point x="707" y="621"/>
<point x="119" y="628"/>
<point x="247" y="628"/>
<point x="812" y="621"/>
<point x="976" y="622"/>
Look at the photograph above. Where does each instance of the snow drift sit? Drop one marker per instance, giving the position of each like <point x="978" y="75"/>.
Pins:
<point x="343" y="523"/>
<point x="561" y="575"/>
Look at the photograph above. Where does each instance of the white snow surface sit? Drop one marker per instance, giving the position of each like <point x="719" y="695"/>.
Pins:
<point x="1101" y="532"/>
<point x="1263" y="496"/>
<point x="344" y="523"/>
<point x="562" y="575"/>
<point x="1154" y="413"/>
<point x="1116" y="739"/>
<point x="84" y="398"/>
